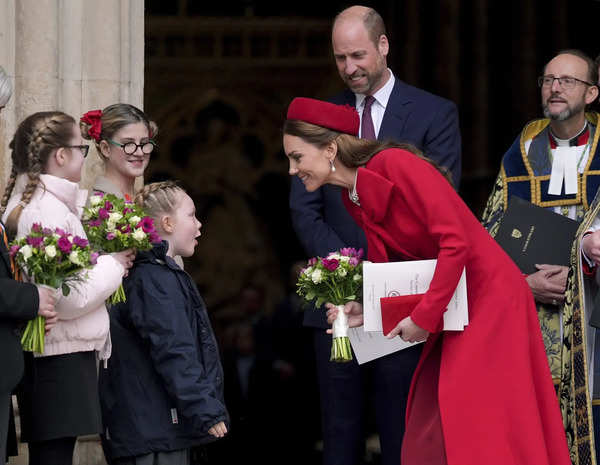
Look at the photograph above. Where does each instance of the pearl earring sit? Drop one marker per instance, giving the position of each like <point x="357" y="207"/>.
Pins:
<point x="332" y="166"/>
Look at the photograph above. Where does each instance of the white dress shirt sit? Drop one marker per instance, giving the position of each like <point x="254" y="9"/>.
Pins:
<point x="378" y="108"/>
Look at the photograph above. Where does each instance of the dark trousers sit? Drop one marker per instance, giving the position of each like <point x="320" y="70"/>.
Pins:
<point x="344" y="390"/>
<point x="4" y="416"/>
<point x="52" y="452"/>
<point x="596" y="416"/>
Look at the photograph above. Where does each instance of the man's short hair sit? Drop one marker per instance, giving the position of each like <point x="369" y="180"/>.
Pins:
<point x="373" y="23"/>
<point x="592" y="74"/>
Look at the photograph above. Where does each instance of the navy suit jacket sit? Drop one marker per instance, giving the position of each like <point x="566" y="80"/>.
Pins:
<point x="412" y="115"/>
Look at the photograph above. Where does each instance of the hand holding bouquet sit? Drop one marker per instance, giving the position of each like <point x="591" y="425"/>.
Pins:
<point x="336" y="279"/>
<point x="52" y="258"/>
<point x="113" y="224"/>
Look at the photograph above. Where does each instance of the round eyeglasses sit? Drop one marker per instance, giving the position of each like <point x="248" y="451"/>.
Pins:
<point x="130" y="147"/>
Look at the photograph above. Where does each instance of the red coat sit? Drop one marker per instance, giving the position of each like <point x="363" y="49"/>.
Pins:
<point x="496" y="399"/>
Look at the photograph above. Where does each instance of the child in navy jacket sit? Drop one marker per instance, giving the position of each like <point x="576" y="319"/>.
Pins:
<point x="162" y="392"/>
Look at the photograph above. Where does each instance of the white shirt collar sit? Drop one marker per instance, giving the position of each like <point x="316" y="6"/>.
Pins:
<point x="381" y="96"/>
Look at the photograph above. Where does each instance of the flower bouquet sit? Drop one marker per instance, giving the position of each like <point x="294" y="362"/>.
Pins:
<point x="336" y="279"/>
<point x="52" y="258"/>
<point x="113" y="224"/>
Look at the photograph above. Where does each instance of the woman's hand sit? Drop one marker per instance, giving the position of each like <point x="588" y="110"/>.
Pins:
<point x="354" y="310"/>
<point x="408" y="331"/>
<point x="125" y="258"/>
<point x="219" y="430"/>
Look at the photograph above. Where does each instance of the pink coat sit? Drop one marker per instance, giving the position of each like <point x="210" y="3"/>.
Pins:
<point x="83" y="323"/>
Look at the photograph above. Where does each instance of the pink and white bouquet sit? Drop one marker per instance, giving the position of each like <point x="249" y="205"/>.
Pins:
<point x="113" y="224"/>
<point x="53" y="258"/>
<point x="336" y="279"/>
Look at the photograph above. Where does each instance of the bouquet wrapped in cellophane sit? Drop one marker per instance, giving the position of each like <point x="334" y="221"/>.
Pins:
<point x="113" y="224"/>
<point x="53" y="258"/>
<point x="336" y="279"/>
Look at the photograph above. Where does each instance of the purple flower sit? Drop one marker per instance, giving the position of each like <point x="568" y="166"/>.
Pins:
<point x="36" y="227"/>
<point x="103" y="214"/>
<point x="60" y="232"/>
<point x="313" y="261"/>
<point x="359" y="253"/>
<point x="110" y="236"/>
<point x="155" y="237"/>
<point x="14" y="249"/>
<point x="330" y="265"/>
<point x="35" y="241"/>
<point x="108" y="205"/>
<point x="80" y="242"/>
<point x="125" y="229"/>
<point x="94" y="258"/>
<point x="94" y="223"/>
<point x="348" y="252"/>
<point x="99" y="193"/>
<point x="353" y="261"/>
<point x="127" y="210"/>
<point x="64" y="244"/>
<point x="47" y="231"/>
<point x="147" y="224"/>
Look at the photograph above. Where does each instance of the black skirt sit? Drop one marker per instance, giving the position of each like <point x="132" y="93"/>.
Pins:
<point x="58" y="397"/>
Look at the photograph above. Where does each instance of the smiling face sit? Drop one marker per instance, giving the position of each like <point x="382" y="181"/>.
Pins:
<point x="360" y="62"/>
<point x="561" y="104"/>
<point x="184" y="227"/>
<point x="122" y="164"/>
<point x="307" y="161"/>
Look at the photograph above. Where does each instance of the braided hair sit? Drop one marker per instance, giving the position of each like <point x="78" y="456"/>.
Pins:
<point x="159" y="198"/>
<point x="36" y="138"/>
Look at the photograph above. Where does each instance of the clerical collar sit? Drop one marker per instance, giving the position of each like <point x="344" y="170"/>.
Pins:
<point x="580" y="139"/>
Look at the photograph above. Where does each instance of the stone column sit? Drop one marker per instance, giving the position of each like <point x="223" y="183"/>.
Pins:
<point x="73" y="56"/>
<point x="69" y="55"/>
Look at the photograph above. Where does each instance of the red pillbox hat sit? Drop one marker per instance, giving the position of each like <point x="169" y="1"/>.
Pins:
<point x="341" y="118"/>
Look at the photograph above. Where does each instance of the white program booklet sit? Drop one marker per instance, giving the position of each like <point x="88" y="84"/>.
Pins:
<point x="405" y="278"/>
<point x="370" y="345"/>
<point x="393" y="279"/>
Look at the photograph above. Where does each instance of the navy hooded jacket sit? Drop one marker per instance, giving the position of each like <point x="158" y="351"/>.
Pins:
<point x="163" y="387"/>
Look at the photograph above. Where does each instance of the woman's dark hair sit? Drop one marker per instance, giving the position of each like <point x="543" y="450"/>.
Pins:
<point x="351" y="151"/>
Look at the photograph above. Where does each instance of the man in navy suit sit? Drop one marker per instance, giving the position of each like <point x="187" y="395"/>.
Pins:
<point x="388" y="109"/>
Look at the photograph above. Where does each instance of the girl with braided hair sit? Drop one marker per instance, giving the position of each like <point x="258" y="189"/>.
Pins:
<point x="123" y="136"/>
<point x="60" y="396"/>
<point x="165" y="354"/>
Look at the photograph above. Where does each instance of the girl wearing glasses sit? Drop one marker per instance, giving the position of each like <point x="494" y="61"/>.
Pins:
<point x="123" y="136"/>
<point x="59" y="400"/>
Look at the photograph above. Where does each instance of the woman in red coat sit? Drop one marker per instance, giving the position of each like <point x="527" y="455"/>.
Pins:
<point x="479" y="396"/>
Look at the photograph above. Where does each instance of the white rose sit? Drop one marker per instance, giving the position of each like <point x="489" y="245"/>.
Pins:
<point x="357" y="277"/>
<point x="307" y="271"/>
<point x="139" y="235"/>
<point x="95" y="200"/>
<point x="317" y="276"/>
<point x="344" y="258"/>
<point x="134" y="220"/>
<point x="56" y="236"/>
<point x="333" y="256"/>
<point x="341" y="272"/>
<point x="25" y="251"/>
<point x="114" y="217"/>
<point x="75" y="259"/>
<point x="70" y="238"/>
<point x="110" y="226"/>
<point x="50" y="251"/>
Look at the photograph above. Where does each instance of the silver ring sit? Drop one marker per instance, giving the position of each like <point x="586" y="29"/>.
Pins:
<point x="554" y="302"/>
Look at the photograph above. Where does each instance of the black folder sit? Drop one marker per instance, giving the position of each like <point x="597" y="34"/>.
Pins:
<point x="530" y="234"/>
